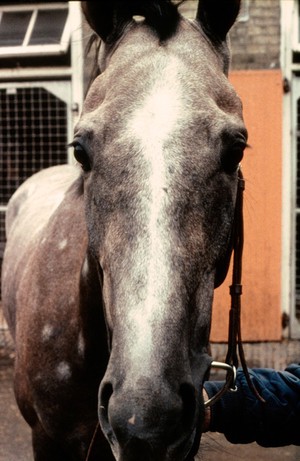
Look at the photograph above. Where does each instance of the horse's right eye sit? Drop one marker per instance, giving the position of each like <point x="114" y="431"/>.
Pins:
<point x="82" y="157"/>
<point x="232" y="157"/>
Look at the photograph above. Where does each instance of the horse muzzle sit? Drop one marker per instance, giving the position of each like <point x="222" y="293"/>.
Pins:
<point x="146" y="423"/>
<point x="155" y="423"/>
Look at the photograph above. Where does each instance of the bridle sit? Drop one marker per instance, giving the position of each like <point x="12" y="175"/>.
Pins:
<point x="235" y="345"/>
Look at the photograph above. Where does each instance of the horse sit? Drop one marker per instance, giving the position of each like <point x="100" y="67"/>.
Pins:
<point x="111" y="263"/>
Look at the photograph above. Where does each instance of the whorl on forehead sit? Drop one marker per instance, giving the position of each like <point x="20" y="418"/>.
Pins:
<point x="109" y="17"/>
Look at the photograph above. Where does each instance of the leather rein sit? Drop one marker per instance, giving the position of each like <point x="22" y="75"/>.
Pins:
<point x="235" y="349"/>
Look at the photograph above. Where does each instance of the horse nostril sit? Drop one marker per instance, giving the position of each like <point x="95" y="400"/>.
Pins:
<point x="106" y="390"/>
<point x="187" y="393"/>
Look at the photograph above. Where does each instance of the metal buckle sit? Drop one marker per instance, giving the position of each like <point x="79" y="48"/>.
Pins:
<point x="229" y="382"/>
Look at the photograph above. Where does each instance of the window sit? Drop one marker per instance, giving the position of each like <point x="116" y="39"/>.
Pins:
<point x="37" y="29"/>
<point x="296" y="27"/>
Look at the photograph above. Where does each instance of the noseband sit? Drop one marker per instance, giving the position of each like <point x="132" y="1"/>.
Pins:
<point x="235" y="344"/>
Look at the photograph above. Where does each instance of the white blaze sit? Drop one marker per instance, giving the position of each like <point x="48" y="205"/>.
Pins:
<point x="152" y="125"/>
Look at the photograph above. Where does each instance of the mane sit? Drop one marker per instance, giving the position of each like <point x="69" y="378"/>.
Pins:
<point x="161" y="15"/>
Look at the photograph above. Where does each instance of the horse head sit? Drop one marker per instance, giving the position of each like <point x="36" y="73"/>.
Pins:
<point x="159" y="140"/>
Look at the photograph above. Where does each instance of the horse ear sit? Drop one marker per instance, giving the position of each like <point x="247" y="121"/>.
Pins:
<point x="101" y="17"/>
<point x="217" y="16"/>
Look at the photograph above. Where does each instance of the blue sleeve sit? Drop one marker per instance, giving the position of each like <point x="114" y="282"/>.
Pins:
<point x="244" y="419"/>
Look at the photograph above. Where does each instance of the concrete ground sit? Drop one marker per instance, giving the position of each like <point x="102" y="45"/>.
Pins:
<point x="15" y="439"/>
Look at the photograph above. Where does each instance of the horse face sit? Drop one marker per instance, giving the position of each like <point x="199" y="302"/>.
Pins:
<point x="159" y="140"/>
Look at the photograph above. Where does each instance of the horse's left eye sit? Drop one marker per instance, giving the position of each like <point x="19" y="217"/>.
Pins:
<point x="232" y="156"/>
<point x="82" y="157"/>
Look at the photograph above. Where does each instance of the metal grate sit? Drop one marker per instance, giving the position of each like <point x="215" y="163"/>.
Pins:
<point x="33" y="135"/>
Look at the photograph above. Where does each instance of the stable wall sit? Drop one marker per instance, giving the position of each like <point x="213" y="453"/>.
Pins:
<point x="261" y="93"/>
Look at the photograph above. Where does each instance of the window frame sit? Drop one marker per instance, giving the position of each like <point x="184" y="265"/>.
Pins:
<point x="26" y="50"/>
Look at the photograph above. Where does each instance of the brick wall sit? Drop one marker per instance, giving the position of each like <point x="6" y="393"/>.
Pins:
<point x="255" y="38"/>
<point x="255" y="41"/>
